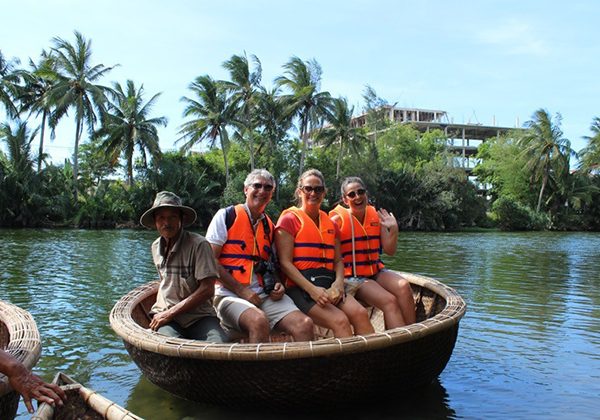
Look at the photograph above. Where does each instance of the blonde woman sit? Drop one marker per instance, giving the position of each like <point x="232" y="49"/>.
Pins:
<point x="309" y="255"/>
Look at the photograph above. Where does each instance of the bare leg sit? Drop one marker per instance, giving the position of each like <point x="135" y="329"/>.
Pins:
<point x="255" y="322"/>
<point x="399" y="287"/>
<point x="332" y="318"/>
<point x="358" y="316"/>
<point x="373" y="294"/>
<point x="298" y="325"/>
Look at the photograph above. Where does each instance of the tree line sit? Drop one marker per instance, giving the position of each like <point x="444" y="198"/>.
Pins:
<point x="243" y="125"/>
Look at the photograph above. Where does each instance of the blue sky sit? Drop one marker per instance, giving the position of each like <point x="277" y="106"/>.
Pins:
<point x="481" y="61"/>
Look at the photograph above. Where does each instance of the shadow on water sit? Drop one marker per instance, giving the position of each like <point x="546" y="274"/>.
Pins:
<point x="431" y="402"/>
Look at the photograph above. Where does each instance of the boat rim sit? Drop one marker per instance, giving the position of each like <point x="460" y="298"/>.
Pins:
<point x="122" y="322"/>
<point x="24" y="341"/>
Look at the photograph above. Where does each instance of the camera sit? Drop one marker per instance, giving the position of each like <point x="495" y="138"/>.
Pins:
<point x="267" y="270"/>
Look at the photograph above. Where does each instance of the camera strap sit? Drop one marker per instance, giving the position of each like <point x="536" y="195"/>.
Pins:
<point x="268" y="234"/>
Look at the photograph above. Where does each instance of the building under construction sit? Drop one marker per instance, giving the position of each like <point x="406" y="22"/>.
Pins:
<point x="463" y="139"/>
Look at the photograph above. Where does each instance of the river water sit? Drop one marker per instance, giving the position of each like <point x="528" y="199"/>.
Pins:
<point x="528" y="346"/>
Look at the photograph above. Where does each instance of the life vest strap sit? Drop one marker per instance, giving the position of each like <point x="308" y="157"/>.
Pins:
<point x="231" y="268"/>
<point x="236" y="242"/>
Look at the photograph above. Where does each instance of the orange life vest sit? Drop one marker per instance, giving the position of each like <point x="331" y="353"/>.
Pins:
<point x="244" y="247"/>
<point x="367" y="242"/>
<point x="314" y="246"/>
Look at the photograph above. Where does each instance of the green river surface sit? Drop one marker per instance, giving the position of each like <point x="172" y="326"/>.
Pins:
<point x="528" y="346"/>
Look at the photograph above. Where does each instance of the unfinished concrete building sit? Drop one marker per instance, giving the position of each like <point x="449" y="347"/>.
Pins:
<point x="462" y="139"/>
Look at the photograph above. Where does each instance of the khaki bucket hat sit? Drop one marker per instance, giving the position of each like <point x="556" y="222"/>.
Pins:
<point x="166" y="199"/>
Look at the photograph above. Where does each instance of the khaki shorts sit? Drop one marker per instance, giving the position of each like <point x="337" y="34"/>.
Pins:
<point x="352" y="284"/>
<point x="230" y="308"/>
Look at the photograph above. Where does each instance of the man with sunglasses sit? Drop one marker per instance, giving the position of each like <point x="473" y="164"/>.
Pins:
<point x="249" y="298"/>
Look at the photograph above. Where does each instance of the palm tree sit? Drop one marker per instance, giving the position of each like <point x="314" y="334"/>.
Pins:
<point x="303" y="80"/>
<point x="340" y="131"/>
<point x="127" y="124"/>
<point x="546" y="149"/>
<point x="76" y="88"/>
<point x="211" y="112"/>
<point x="244" y="86"/>
<point x="8" y="81"/>
<point x="18" y="182"/>
<point x="34" y="94"/>
<point x="18" y="143"/>
<point x="375" y="110"/>
<point x="273" y="121"/>
<point x="590" y="155"/>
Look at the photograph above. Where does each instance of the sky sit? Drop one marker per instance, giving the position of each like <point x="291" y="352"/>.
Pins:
<point x="483" y="62"/>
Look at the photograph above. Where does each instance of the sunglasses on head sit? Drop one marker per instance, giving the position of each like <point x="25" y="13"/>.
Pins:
<point x="317" y="190"/>
<point x="258" y="186"/>
<point x="352" y="194"/>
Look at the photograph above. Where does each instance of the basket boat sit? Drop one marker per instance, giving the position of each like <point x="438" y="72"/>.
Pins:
<point x="82" y="403"/>
<point x="288" y="375"/>
<point x="19" y="336"/>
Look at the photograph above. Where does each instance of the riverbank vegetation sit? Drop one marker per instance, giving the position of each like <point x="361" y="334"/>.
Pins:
<point x="531" y="179"/>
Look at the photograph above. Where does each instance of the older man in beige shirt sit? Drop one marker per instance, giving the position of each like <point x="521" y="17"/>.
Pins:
<point x="187" y="270"/>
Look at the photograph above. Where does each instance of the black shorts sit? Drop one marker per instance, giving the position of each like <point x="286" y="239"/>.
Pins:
<point x="320" y="277"/>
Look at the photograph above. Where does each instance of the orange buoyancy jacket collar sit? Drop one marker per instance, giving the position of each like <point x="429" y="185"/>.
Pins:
<point x="314" y="246"/>
<point x="367" y="242"/>
<point x="244" y="247"/>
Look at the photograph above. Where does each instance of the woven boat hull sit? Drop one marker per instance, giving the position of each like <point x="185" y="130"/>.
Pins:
<point x="19" y="336"/>
<point x="305" y="375"/>
<point x="307" y="382"/>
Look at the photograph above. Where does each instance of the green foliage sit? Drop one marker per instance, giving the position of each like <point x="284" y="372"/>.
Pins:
<point x="590" y="154"/>
<point x="402" y="145"/>
<point x="127" y="126"/>
<point x="509" y="214"/>
<point x="211" y="112"/>
<point x="241" y="125"/>
<point x="503" y="167"/>
<point x="590" y="211"/>
<point x="434" y="197"/>
<point x="58" y="207"/>
<point x="305" y="101"/>
<point x="19" y="181"/>
<point x="76" y="89"/>
<point x="94" y="164"/>
<point x="341" y="132"/>
<point x="375" y="109"/>
<point x="547" y="152"/>
<point x="244" y="89"/>
<point x="234" y="192"/>
<point x="194" y="179"/>
<point x="94" y="209"/>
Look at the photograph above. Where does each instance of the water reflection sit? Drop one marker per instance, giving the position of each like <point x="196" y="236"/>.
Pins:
<point x="531" y="334"/>
<point x="529" y="345"/>
<point x="151" y="402"/>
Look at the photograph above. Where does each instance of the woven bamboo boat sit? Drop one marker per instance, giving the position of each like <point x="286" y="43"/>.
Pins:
<point x="82" y="403"/>
<point x="19" y="336"/>
<point x="297" y="375"/>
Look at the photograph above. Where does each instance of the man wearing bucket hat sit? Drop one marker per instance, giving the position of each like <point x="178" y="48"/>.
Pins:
<point x="187" y="270"/>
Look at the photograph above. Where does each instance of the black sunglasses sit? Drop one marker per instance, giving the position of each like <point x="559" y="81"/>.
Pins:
<point x="360" y="191"/>
<point x="308" y="189"/>
<point x="258" y="186"/>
